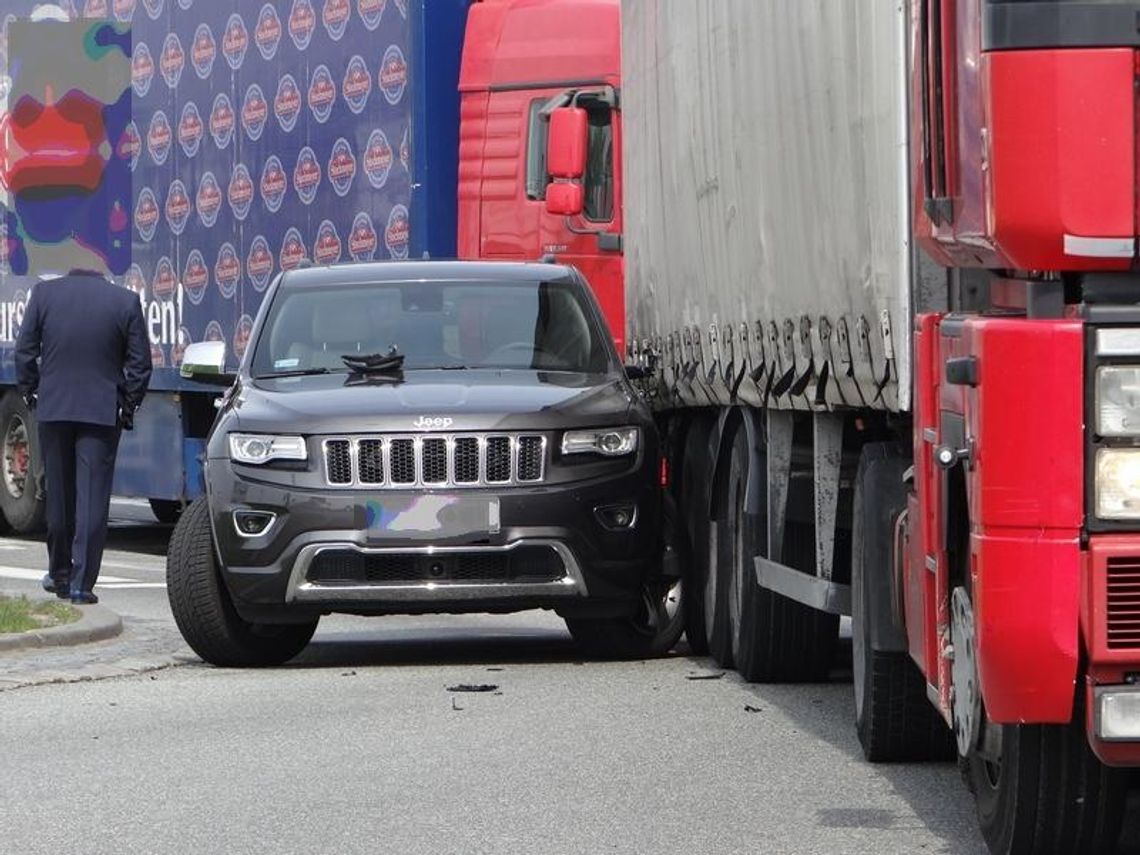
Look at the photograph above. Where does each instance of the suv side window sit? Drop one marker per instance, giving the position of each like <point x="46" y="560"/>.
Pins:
<point x="599" y="183"/>
<point x="536" y="177"/>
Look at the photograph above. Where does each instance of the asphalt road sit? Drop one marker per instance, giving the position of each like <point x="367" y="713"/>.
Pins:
<point x="359" y="746"/>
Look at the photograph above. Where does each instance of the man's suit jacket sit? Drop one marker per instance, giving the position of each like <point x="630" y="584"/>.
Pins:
<point x="93" y="351"/>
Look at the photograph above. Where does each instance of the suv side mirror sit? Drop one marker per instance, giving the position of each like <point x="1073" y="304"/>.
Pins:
<point x="205" y="362"/>
<point x="566" y="161"/>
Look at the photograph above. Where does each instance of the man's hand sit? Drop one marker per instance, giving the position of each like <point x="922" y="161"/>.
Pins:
<point x="30" y="401"/>
<point x="126" y="417"/>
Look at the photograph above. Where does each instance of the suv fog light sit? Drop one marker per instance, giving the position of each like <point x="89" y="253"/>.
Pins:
<point x="617" y="517"/>
<point x="253" y="523"/>
<point x="1117" y="711"/>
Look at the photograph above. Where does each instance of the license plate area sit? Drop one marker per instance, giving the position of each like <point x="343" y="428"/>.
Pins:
<point x="427" y="517"/>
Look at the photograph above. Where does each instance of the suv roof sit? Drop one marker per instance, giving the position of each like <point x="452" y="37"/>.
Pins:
<point x="437" y="271"/>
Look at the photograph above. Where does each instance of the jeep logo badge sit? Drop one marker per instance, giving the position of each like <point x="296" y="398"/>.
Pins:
<point x="428" y="423"/>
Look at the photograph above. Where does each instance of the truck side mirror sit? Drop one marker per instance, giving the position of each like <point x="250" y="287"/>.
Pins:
<point x="566" y="143"/>
<point x="205" y="362"/>
<point x="566" y="161"/>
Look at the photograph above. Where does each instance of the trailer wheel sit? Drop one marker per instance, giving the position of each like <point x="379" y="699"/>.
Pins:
<point x="773" y="638"/>
<point x="656" y="625"/>
<point x="894" y="718"/>
<point x="695" y="469"/>
<point x="21" y="500"/>
<point x="1043" y="790"/>
<point x="204" y="612"/>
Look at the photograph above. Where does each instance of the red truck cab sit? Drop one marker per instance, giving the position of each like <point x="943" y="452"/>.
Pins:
<point x="521" y="61"/>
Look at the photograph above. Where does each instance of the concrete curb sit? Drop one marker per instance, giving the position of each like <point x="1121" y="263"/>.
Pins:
<point x="96" y="624"/>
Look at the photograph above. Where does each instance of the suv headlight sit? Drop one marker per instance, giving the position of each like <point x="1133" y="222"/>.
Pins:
<point x="611" y="442"/>
<point x="1118" y="400"/>
<point x="257" y="448"/>
<point x="1118" y="483"/>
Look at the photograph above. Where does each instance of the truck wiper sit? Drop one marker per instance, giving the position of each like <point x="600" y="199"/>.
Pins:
<point x="300" y="372"/>
<point x="375" y="363"/>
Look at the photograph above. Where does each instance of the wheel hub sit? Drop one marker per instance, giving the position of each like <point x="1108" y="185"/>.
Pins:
<point x="967" y="697"/>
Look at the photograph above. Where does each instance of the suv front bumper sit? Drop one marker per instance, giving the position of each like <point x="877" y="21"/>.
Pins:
<point x="587" y="568"/>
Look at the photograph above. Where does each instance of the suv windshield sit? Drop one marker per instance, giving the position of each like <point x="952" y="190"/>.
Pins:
<point x="544" y="326"/>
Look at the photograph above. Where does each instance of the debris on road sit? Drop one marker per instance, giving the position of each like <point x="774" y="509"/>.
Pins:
<point x="712" y="676"/>
<point x="750" y="708"/>
<point x="473" y="687"/>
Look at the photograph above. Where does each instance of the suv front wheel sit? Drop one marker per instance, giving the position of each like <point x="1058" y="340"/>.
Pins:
<point x="204" y="612"/>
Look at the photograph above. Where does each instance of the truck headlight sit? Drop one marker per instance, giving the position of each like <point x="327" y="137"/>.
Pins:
<point x="261" y="448"/>
<point x="1118" y="400"/>
<point x="1118" y="483"/>
<point x="612" y="442"/>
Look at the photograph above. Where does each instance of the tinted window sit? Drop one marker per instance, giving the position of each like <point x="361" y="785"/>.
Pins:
<point x="540" y="326"/>
<point x="599" y="183"/>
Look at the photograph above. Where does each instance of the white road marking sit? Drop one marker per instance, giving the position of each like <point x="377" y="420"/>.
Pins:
<point x="123" y="586"/>
<point x="37" y="575"/>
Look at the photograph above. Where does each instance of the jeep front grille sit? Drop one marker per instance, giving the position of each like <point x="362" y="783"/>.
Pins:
<point x="435" y="460"/>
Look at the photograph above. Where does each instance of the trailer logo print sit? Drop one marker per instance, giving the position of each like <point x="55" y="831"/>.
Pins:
<point x="268" y="32"/>
<point x="178" y="207"/>
<point x="363" y="240"/>
<point x="307" y="175"/>
<point x="274" y="184"/>
<point x="397" y="234"/>
<point x="287" y="104"/>
<point x="322" y="94"/>
<point x="146" y="215"/>
<point x="204" y="51"/>
<point x="335" y="18"/>
<point x="130" y="145"/>
<point x="124" y="10"/>
<point x="327" y="249"/>
<point x="153" y="8"/>
<point x="165" y="282"/>
<point x="393" y="74"/>
<point x="259" y="264"/>
<point x="209" y="200"/>
<point x="227" y="271"/>
<point x="357" y="84"/>
<point x="142" y="70"/>
<point x="195" y="277"/>
<point x="342" y="167"/>
<point x="159" y="138"/>
<point x="241" y="192"/>
<point x="292" y="249"/>
<point x="235" y="42"/>
<point x="302" y="23"/>
<point x="371" y="12"/>
<point x="191" y="129"/>
<point x="378" y="159"/>
<point x="254" y="112"/>
<point x="173" y="60"/>
<point x="222" y="121"/>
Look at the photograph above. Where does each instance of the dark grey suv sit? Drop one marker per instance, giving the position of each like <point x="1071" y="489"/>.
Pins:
<point x="404" y="438"/>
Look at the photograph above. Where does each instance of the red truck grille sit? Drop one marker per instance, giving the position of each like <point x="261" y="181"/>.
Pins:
<point x="1123" y="582"/>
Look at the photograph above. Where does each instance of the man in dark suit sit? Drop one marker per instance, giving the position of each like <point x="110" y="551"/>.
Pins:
<point x="83" y="364"/>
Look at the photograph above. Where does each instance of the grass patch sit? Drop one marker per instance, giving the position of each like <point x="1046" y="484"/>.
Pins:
<point x="19" y="614"/>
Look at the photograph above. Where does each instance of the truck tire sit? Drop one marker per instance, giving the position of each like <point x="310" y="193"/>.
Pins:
<point x="1048" y="793"/>
<point x="773" y="638"/>
<point x="694" y="504"/>
<point x="893" y="716"/>
<point x="659" y="621"/>
<point x="204" y="612"/>
<point x="166" y="511"/>
<point x="21" y="496"/>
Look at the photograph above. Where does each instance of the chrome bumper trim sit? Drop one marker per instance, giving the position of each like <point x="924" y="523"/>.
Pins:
<point x="301" y="590"/>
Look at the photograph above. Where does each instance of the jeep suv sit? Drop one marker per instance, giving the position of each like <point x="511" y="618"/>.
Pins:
<point x="415" y="437"/>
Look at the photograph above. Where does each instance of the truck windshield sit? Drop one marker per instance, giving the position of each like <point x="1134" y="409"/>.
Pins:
<point x="453" y="325"/>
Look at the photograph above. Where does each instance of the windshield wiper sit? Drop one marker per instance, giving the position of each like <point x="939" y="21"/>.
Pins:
<point x="375" y="363"/>
<point x="300" y="372"/>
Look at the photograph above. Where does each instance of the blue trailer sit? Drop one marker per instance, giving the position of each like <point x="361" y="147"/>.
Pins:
<point x="263" y="134"/>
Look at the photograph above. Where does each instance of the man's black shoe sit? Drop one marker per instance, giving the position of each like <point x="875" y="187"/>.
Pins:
<point x="84" y="598"/>
<point x="60" y="589"/>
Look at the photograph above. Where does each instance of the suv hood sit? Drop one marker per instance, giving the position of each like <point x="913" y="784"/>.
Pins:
<point x="472" y="399"/>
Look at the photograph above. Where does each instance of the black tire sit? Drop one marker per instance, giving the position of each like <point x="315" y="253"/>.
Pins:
<point x="652" y="630"/>
<point x="893" y="716"/>
<point x="1049" y="793"/>
<point x="21" y="472"/>
<point x="694" y="504"/>
<point x="166" y="511"/>
<point x="204" y="612"/>
<point x="772" y="638"/>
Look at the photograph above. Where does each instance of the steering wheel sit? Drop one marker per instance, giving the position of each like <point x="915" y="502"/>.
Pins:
<point x="513" y="346"/>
